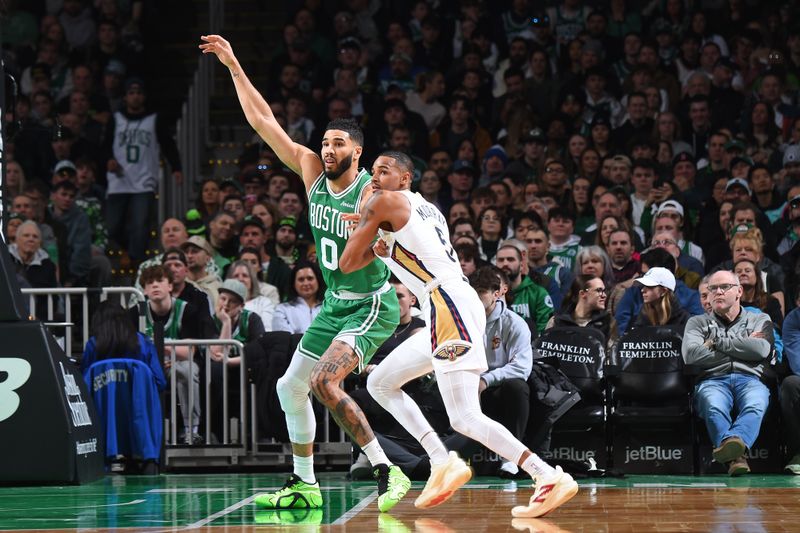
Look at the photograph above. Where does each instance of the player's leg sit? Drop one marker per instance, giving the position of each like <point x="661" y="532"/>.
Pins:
<point x="326" y="379"/>
<point x="410" y="360"/>
<point x="461" y="399"/>
<point x="301" y="489"/>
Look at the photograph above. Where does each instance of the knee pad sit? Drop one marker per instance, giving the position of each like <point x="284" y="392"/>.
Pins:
<point x="292" y="393"/>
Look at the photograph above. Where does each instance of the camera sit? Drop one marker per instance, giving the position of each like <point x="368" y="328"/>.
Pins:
<point x="262" y="167"/>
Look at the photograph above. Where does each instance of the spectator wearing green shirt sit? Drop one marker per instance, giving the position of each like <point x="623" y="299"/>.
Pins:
<point x="526" y="298"/>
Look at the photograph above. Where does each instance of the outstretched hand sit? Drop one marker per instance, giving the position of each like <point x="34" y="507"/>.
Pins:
<point x="215" y="44"/>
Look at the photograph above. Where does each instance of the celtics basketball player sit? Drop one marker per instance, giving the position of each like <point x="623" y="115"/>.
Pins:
<point x="359" y="312"/>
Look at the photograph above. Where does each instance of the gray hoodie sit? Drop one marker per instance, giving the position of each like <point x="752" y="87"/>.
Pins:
<point x="734" y="351"/>
<point x="508" y="346"/>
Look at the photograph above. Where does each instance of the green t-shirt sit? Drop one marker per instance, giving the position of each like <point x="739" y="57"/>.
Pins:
<point x="330" y="235"/>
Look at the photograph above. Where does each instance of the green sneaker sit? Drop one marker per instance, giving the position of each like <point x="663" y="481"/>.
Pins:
<point x="794" y="465"/>
<point x="289" y="517"/>
<point x="295" y="494"/>
<point x="392" y="486"/>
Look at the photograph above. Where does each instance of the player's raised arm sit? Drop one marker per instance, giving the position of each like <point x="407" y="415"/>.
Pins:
<point x="297" y="157"/>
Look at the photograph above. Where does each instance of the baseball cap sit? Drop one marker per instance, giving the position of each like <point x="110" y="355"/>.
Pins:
<point x="682" y="158"/>
<point x="235" y="287"/>
<point x="670" y="205"/>
<point x="198" y="242"/>
<point x="734" y="144"/>
<point x="741" y="159"/>
<point x="535" y="135"/>
<point x="462" y="165"/>
<point x="741" y="182"/>
<point x="65" y="164"/>
<point x="194" y="223"/>
<point x="253" y="176"/>
<point x="658" y="277"/>
<point x="287" y="221"/>
<point x="600" y="119"/>
<point x="173" y="254"/>
<point x="230" y="182"/>
<point x="133" y="81"/>
<point x="251" y="220"/>
<point x="350" y="42"/>
<point x="791" y="154"/>
<point x="496" y="151"/>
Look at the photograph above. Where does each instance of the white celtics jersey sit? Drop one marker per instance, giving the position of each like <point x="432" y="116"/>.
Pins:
<point x="137" y="151"/>
<point x="421" y="250"/>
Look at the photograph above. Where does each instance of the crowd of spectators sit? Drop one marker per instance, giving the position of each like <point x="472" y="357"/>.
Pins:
<point x="606" y="157"/>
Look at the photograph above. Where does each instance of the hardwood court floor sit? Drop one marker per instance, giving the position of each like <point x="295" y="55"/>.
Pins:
<point x="224" y="502"/>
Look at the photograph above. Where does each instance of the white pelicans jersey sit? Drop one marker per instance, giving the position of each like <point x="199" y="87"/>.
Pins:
<point x="421" y="256"/>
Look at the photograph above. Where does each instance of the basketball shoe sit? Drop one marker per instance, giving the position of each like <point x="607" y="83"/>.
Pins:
<point x="295" y="494"/>
<point x="547" y="495"/>
<point x="392" y="485"/>
<point x="444" y="481"/>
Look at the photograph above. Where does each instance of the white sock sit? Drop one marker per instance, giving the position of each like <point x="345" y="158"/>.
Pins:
<point x="434" y="447"/>
<point x="375" y="454"/>
<point x="304" y="468"/>
<point x="536" y="467"/>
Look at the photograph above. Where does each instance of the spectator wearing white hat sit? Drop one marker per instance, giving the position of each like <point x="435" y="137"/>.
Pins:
<point x="673" y="210"/>
<point x="661" y="307"/>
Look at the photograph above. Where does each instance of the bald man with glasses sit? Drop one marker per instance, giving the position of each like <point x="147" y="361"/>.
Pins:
<point x="731" y="346"/>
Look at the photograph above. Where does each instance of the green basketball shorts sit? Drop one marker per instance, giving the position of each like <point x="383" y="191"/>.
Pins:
<point x="362" y="323"/>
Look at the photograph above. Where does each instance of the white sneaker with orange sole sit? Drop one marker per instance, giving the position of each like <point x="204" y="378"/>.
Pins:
<point x="547" y="495"/>
<point x="444" y="480"/>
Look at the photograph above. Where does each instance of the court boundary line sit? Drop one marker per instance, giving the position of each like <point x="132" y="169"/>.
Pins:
<point x="219" y="514"/>
<point x="357" y="508"/>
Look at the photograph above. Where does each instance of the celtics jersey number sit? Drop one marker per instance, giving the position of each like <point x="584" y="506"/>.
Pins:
<point x="329" y="253"/>
<point x="331" y="232"/>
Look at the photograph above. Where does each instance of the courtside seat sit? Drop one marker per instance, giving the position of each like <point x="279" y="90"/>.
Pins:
<point x="650" y="410"/>
<point x="579" y="353"/>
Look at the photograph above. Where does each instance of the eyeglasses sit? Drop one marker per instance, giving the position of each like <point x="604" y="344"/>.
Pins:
<point x="554" y="170"/>
<point x="598" y="290"/>
<point x="663" y="242"/>
<point x="724" y="287"/>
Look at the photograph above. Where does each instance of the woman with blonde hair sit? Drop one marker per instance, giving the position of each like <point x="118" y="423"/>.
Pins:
<point x="661" y="306"/>
<point x="749" y="244"/>
<point x="262" y="298"/>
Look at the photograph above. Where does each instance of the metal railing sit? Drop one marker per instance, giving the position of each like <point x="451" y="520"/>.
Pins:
<point x="84" y="292"/>
<point x="193" y="127"/>
<point x="242" y="438"/>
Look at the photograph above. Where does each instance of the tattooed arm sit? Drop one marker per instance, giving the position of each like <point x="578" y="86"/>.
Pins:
<point x="384" y="209"/>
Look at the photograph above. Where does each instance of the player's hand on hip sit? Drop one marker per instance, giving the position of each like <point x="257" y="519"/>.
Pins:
<point x="381" y="248"/>
<point x="215" y="44"/>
